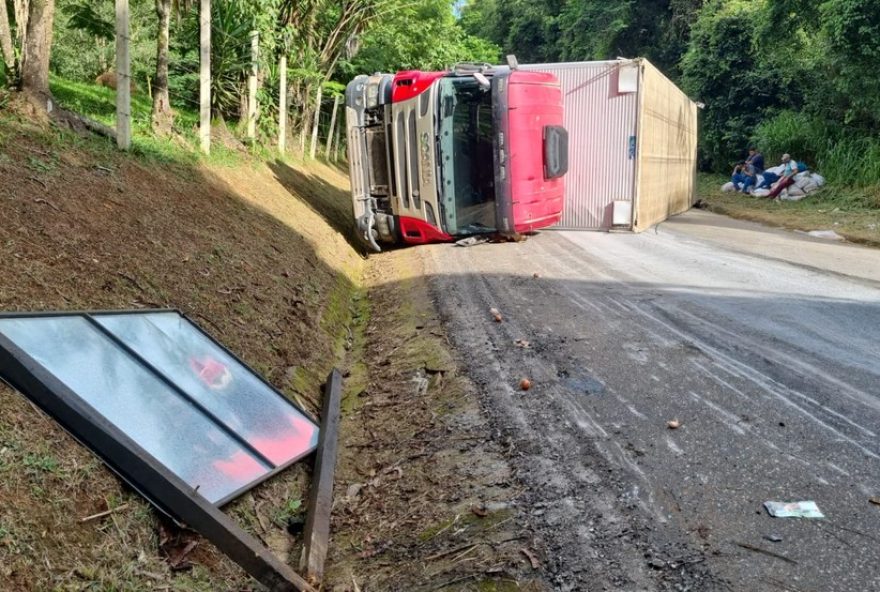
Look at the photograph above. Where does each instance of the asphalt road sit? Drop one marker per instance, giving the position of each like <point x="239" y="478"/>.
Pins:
<point x="764" y="344"/>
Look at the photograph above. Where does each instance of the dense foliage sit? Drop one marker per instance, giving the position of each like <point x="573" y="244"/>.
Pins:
<point x="326" y="41"/>
<point x="795" y="76"/>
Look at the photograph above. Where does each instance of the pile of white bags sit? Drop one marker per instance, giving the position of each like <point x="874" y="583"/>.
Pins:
<point x="805" y="183"/>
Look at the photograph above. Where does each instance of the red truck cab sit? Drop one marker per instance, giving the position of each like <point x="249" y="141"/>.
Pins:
<point x="435" y="156"/>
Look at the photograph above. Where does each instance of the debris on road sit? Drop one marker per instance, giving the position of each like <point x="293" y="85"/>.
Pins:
<point x="496" y="314"/>
<point x="875" y="500"/>
<point x="536" y="275"/>
<point x="793" y="509"/>
<point x="532" y="558"/>
<point x="522" y="343"/>
<point x="826" y="234"/>
<point x="480" y="511"/>
<point x="766" y="552"/>
<point x="673" y="424"/>
<point x="773" y="538"/>
<point x="472" y="241"/>
<point x="525" y="384"/>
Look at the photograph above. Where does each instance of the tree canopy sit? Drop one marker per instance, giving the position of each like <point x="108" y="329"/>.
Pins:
<point x="794" y="75"/>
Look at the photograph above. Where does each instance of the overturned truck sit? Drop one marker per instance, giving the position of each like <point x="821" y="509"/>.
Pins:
<point x="435" y="156"/>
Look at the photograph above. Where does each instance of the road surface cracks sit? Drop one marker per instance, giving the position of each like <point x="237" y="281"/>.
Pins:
<point x="773" y="370"/>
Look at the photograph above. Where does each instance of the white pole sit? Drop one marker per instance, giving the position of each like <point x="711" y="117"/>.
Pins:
<point x="205" y="75"/>
<point x="332" y="126"/>
<point x="314" y="148"/>
<point x="252" y="85"/>
<point x="282" y="105"/>
<point x="123" y="77"/>
<point x="338" y="143"/>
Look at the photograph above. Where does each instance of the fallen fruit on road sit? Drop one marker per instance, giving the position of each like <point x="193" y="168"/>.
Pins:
<point x="673" y="424"/>
<point x="525" y="384"/>
<point x="496" y="314"/>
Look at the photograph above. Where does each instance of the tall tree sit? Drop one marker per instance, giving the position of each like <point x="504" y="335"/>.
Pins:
<point x="162" y="116"/>
<point x="6" y="39"/>
<point x="35" y="56"/>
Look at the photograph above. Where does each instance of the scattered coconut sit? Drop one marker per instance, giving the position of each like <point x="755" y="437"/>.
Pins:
<point x="496" y="314"/>
<point x="522" y="343"/>
<point x="525" y="384"/>
<point x="673" y="424"/>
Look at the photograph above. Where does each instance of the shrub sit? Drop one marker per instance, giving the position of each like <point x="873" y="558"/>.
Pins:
<point x="842" y="157"/>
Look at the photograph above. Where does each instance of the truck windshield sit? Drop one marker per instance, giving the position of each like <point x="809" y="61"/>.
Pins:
<point x="466" y="156"/>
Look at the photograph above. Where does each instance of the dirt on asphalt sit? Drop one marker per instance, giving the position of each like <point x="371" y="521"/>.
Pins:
<point x="767" y="366"/>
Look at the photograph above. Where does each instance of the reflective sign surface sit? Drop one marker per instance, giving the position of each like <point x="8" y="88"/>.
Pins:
<point x="177" y="393"/>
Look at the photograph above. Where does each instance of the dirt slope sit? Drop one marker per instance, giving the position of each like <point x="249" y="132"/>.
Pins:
<point x="239" y="249"/>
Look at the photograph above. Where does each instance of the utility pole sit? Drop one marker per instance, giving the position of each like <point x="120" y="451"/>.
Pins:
<point x="332" y="126"/>
<point x="314" y="148"/>
<point x="338" y="143"/>
<point x="282" y="104"/>
<point x="252" y="85"/>
<point x="123" y="77"/>
<point x="205" y="75"/>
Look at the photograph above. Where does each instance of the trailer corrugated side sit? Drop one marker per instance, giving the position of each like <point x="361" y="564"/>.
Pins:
<point x="601" y="122"/>
<point x="632" y="144"/>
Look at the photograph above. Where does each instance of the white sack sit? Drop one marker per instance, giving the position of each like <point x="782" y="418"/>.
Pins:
<point x="800" y="181"/>
<point x="810" y="187"/>
<point x="819" y="179"/>
<point x="793" y="193"/>
<point x="728" y="187"/>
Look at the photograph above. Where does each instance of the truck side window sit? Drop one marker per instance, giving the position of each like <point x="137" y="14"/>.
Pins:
<point x="414" y="161"/>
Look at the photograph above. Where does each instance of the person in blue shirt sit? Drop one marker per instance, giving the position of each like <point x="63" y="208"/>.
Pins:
<point x="756" y="159"/>
<point x="738" y="177"/>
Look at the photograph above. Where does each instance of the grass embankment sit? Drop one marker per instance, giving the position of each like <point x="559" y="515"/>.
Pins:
<point x="243" y="250"/>
<point x="99" y="103"/>
<point x="854" y="213"/>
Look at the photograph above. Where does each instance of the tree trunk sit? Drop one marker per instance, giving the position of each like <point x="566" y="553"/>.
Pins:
<point x="22" y="9"/>
<point x="102" y="55"/>
<point x="6" y="40"/>
<point x="35" y="56"/>
<point x="314" y="148"/>
<point x="163" y="118"/>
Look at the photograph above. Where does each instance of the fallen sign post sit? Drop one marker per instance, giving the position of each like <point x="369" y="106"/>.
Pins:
<point x="153" y="395"/>
<point x="317" y="530"/>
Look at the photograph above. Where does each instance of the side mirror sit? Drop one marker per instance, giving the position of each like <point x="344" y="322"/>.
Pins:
<point x="482" y="81"/>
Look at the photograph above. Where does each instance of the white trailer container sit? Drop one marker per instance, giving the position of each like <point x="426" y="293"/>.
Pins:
<point x="632" y="144"/>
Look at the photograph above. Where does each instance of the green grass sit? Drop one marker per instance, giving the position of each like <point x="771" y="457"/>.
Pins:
<point x="99" y="103"/>
<point x="853" y="212"/>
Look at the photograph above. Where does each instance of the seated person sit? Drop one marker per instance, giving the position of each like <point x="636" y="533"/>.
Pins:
<point x="787" y="179"/>
<point x="756" y="159"/>
<point x="744" y="177"/>
<point x="738" y="177"/>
